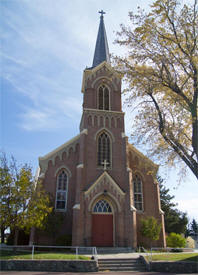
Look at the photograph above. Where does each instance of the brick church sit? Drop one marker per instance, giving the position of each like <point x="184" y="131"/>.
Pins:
<point x="101" y="183"/>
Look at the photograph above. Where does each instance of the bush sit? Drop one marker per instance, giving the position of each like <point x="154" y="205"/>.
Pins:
<point x="190" y="243"/>
<point x="175" y="240"/>
<point x="177" y="250"/>
<point x="65" y="240"/>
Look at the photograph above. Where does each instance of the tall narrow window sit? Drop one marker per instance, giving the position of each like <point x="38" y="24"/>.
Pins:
<point x="138" y="195"/>
<point x="103" y="98"/>
<point x="104" y="150"/>
<point x="61" y="191"/>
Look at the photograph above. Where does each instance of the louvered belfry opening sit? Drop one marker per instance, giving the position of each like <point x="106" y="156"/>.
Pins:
<point x="103" y="98"/>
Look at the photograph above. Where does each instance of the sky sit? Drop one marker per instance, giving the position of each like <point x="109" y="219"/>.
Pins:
<point x="45" y="46"/>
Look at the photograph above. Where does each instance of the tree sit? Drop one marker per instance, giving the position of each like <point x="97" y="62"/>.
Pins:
<point x="161" y="69"/>
<point x="5" y="187"/>
<point x="23" y="202"/>
<point x="175" y="220"/>
<point x="150" y="229"/>
<point x="194" y="228"/>
<point x="53" y="224"/>
<point x="175" y="240"/>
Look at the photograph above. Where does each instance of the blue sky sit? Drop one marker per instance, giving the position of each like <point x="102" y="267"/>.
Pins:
<point x="45" y="46"/>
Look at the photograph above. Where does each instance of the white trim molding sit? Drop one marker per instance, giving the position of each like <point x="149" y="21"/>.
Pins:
<point x="76" y="206"/>
<point x="84" y="132"/>
<point x="81" y="165"/>
<point x="65" y="168"/>
<point x="108" y="178"/>
<point x="133" y="209"/>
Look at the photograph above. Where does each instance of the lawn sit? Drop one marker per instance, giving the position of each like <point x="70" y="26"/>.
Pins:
<point x="175" y="257"/>
<point x="11" y="255"/>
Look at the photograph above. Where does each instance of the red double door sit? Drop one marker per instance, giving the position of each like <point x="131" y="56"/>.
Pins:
<point x="102" y="230"/>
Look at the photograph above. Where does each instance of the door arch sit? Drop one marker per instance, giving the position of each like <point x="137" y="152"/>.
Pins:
<point x="102" y="223"/>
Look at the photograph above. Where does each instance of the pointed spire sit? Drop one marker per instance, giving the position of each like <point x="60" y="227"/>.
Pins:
<point x="101" y="50"/>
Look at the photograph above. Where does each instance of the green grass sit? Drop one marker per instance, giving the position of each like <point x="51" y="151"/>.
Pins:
<point x="175" y="257"/>
<point x="11" y="255"/>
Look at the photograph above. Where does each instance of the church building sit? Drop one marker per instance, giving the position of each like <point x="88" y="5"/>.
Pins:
<point x="102" y="185"/>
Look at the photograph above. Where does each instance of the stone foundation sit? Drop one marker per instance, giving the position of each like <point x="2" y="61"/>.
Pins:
<point x="49" y="265"/>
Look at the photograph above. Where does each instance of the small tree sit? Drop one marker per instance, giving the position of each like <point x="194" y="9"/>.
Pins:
<point x="175" y="240"/>
<point x="150" y="229"/>
<point x="23" y="202"/>
<point x="175" y="220"/>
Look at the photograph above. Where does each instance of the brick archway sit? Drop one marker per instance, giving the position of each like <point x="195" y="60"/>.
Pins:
<point x="102" y="224"/>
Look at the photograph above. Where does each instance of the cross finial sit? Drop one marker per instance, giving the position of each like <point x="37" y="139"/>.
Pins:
<point x="105" y="163"/>
<point x="101" y="12"/>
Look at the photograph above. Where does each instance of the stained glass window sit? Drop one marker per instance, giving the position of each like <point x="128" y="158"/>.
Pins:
<point x="61" y="191"/>
<point x="104" y="150"/>
<point x="102" y="206"/>
<point x="138" y="196"/>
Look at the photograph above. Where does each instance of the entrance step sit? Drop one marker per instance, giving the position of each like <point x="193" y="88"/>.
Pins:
<point x="121" y="265"/>
<point x="114" y="250"/>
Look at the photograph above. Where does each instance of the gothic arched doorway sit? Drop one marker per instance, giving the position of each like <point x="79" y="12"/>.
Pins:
<point x="102" y="224"/>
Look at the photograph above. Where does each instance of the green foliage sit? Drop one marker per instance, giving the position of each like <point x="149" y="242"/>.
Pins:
<point x="161" y="68"/>
<point x="194" y="228"/>
<point x="175" y="240"/>
<point x="65" y="240"/>
<point x="190" y="243"/>
<point x="150" y="229"/>
<point x="53" y="223"/>
<point x="15" y="255"/>
<point x="23" y="238"/>
<point x="175" y="257"/>
<point x="23" y="202"/>
<point x="175" y="220"/>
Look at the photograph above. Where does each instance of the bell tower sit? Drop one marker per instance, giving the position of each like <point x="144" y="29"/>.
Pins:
<point x="102" y="176"/>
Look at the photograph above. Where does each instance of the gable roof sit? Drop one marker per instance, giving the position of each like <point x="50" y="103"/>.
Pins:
<point x="106" y="176"/>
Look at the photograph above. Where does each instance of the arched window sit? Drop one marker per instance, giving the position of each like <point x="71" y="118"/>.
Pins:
<point x="103" y="98"/>
<point x="102" y="206"/>
<point x="61" y="191"/>
<point x="104" y="150"/>
<point x="138" y="194"/>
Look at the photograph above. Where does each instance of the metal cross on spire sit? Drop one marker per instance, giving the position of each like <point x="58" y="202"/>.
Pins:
<point x="101" y="12"/>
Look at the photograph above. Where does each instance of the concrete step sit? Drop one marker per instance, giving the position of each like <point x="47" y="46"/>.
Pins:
<point x="121" y="265"/>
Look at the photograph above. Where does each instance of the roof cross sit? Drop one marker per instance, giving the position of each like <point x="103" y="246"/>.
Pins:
<point x="102" y="12"/>
<point x="105" y="163"/>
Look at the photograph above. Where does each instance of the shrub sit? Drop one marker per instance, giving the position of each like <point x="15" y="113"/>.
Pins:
<point x="175" y="240"/>
<point x="65" y="240"/>
<point x="190" y="243"/>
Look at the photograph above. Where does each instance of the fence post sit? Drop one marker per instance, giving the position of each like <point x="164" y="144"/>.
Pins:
<point x="32" y="252"/>
<point x="76" y="253"/>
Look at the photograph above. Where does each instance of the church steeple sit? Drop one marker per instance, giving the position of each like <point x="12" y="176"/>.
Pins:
<point x="101" y="50"/>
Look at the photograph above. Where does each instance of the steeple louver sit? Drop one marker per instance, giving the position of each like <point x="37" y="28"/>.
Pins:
<point x="101" y="50"/>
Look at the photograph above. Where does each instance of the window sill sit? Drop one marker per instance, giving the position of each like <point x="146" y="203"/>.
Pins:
<point x="61" y="210"/>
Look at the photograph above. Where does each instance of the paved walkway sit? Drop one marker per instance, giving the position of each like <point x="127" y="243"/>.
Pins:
<point x="120" y="256"/>
<point x="94" y="273"/>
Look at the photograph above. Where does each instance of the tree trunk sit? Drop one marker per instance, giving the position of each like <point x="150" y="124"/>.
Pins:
<point x="16" y="235"/>
<point x="2" y="235"/>
<point x="32" y="233"/>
